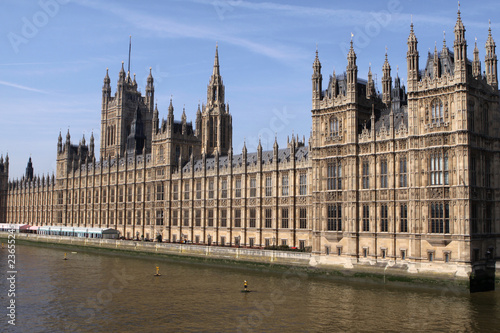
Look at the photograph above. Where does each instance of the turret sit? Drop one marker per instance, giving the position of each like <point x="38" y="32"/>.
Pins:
<point x="412" y="60"/>
<point x="317" y="80"/>
<point x="476" y="63"/>
<point x="333" y="85"/>
<point x="68" y="141"/>
<point x="91" y="145"/>
<point x="150" y="91"/>
<point x="198" y="123"/>
<point x="184" y="121"/>
<point x="121" y="76"/>
<point x="460" y="49"/>
<point x="436" y="67"/>
<point x="370" y="86"/>
<point x="352" y="74"/>
<point x="386" y="81"/>
<point x="59" y="144"/>
<point x="29" y="170"/>
<point x="491" y="62"/>
<point x="170" y="116"/>
<point x="106" y="87"/>
<point x="155" y="119"/>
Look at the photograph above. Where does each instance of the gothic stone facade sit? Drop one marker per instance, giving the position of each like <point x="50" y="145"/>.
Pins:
<point x="405" y="176"/>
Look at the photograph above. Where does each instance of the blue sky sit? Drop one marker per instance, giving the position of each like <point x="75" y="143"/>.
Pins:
<point x="54" y="55"/>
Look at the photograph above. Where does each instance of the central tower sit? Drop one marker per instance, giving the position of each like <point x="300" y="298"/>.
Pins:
<point x="215" y="120"/>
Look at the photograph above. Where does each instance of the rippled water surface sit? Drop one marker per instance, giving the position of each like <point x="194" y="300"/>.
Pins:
<point x="93" y="292"/>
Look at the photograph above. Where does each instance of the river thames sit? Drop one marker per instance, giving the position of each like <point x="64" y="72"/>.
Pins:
<point x="93" y="292"/>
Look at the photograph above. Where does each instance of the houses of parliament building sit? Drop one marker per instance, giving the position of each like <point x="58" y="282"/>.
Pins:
<point x="406" y="175"/>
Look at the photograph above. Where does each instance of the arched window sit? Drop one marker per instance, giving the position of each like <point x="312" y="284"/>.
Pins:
<point x="437" y="111"/>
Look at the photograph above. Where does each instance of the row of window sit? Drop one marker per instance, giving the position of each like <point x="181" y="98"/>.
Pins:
<point x="438" y="222"/>
<point x="286" y="222"/>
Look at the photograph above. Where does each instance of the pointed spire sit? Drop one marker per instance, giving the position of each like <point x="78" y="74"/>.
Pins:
<point x="150" y="77"/>
<point x="476" y="63"/>
<point x="183" y="117"/>
<point x="351" y="56"/>
<point x="459" y="26"/>
<point x="317" y="63"/>
<point x="170" y="107"/>
<point x="491" y="61"/>
<point x="216" y="71"/>
<point x="121" y="75"/>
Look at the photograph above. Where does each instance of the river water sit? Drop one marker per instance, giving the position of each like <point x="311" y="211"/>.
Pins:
<point x="93" y="292"/>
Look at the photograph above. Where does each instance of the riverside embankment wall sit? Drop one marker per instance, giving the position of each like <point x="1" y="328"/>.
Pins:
<point x="313" y="264"/>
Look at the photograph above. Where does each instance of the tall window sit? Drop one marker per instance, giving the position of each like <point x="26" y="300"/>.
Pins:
<point x="237" y="218"/>
<point x="488" y="221"/>
<point x="303" y="184"/>
<point x="303" y="218"/>
<point x="253" y="215"/>
<point x="237" y="188"/>
<point x="334" y="176"/>
<point x="487" y="172"/>
<point x="253" y="187"/>
<point x="139" y="193"/>
<point x="403" y="218"/>
<point x="130" y="192"/>
<point x="185" y="217"/>
<point x="112" y="195"/>
<point x="334" y="127"/>
<point x="159" y="191"/>
<point x="383" y="173"/>
<point x="129" y="217"/>
<point x="437" y="111"/>
<point x="223" y="218"/>
<point x="403" y="180"/>
<point x="175" y="190"/>
<point x="384" y="220"/>
<point x="159" y="217"/>
<point x="269" y="220"/>
<point x="440" y="218"/>
<point x="473" y="218"/>
<point x="284" y="185"/>
<point x="334" y="222"/>
<point x="197" y="218"/>
<point x="223" y="193"/>
<point x="175" y="217"/>
<point x="366" y="218"/>
<point x="210" y="217"/>
<point x="186" y="191"/>
<point x="148" y="193"/>
<point x="198" y="190"/>
<point x="472" y="168"/>
<point x="269" y="186"/>
<point x="211" y="189"/>
<point x="120" y="195"/>
<point x="439" y="169"/>
<point x="284" y="218"/>
<point x="366" y="175"/>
